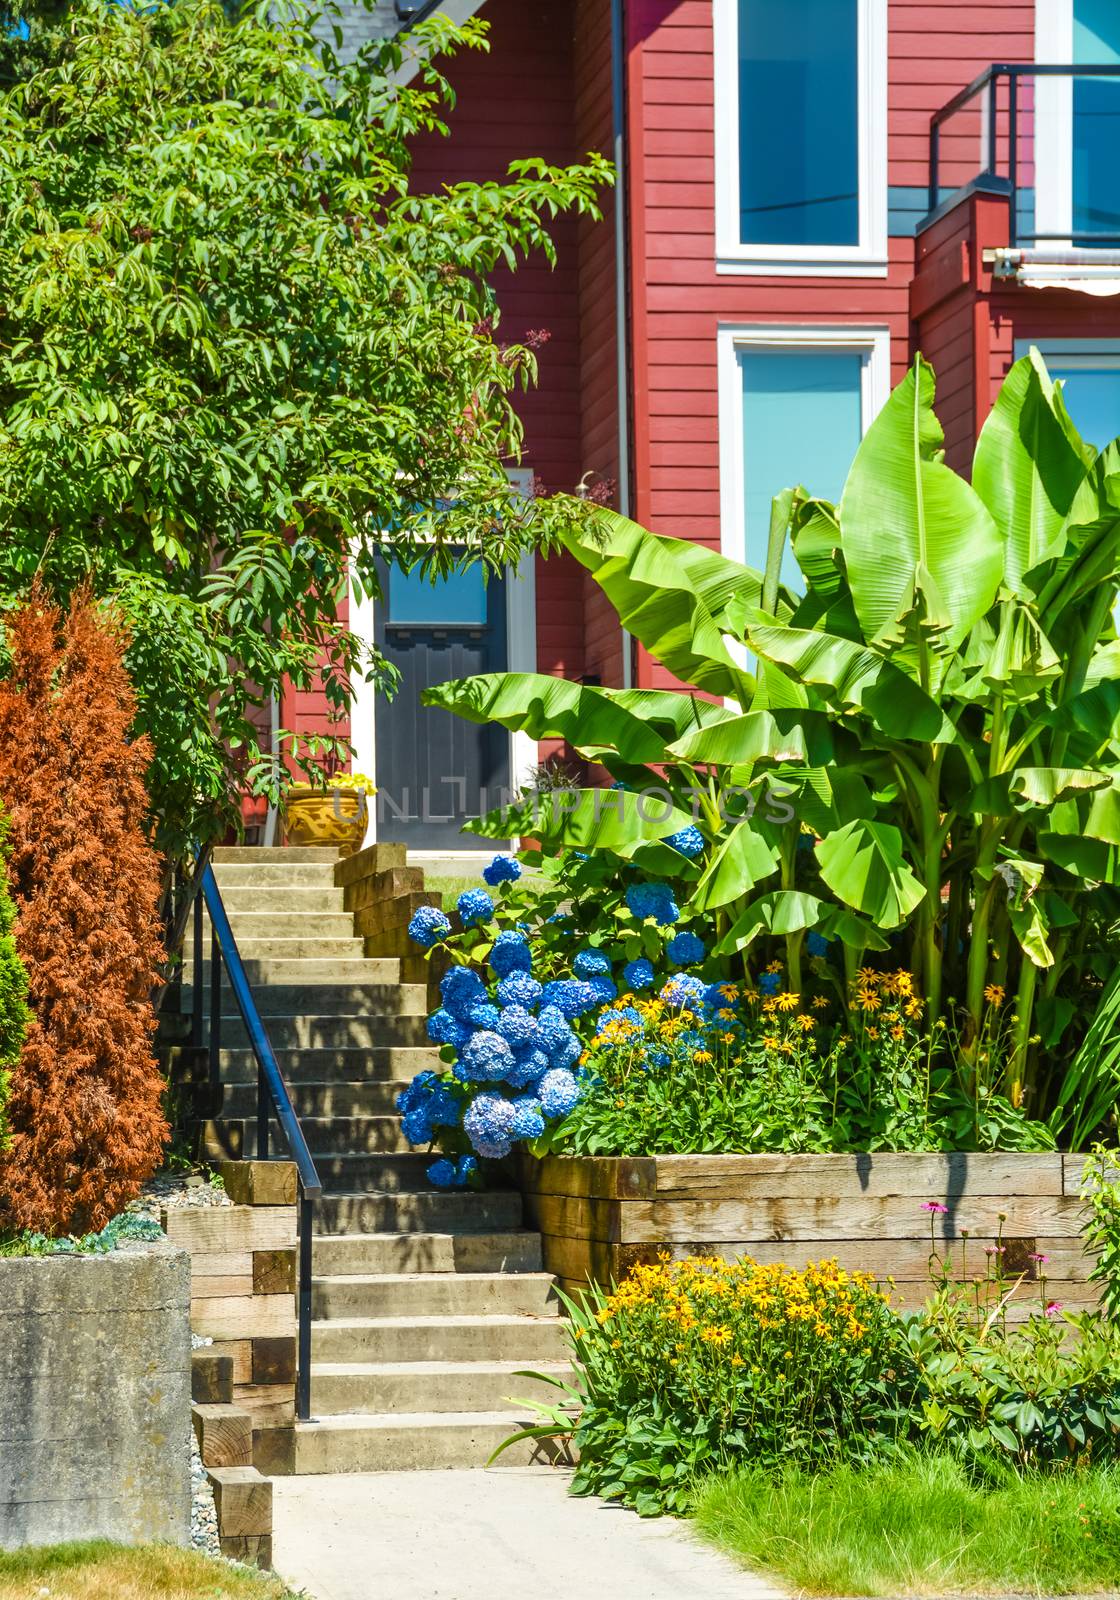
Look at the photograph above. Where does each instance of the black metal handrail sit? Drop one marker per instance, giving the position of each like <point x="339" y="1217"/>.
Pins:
<point x="272" y="1091"/>
<point x="1013" y="73"/>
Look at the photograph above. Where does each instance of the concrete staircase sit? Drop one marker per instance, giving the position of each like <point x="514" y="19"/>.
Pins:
<point x="426" y="1303"/>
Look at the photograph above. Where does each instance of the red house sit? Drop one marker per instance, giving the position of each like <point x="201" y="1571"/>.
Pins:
<point x="810" y="191"/>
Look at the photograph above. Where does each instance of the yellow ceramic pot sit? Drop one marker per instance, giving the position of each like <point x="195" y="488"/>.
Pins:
<point x="334" y="818"/>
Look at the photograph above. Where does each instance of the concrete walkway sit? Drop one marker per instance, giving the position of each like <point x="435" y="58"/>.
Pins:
<point x="505" y="1534"/>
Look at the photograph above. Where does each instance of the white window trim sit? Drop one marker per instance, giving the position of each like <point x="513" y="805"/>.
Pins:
<point x="521" y="652"/>
<point x="872" y="343"/>
<point x="868" y="259"/>
<point x="1084" y="355"/>
<point x="1053" y="122"/>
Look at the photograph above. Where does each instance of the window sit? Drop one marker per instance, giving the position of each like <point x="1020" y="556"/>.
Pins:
<point x="801" y="136"/>
<point x="794" y="404"/>
<point x="1078" y="124"/>
<point x="1090" y="371"/>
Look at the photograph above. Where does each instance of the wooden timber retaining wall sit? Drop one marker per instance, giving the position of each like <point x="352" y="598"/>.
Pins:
<point x="243" y="1294"/>
<point x="599" y="1215"/>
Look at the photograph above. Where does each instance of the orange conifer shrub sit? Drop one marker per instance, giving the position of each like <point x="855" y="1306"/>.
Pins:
<point x="85" y="1118"/>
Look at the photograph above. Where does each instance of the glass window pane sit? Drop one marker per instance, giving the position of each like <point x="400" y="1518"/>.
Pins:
<point x="1092" y="396"/>
<point x="802" y="422"/>
<point x="415" y="599"/>
<point x="1096" y="119"/>
<point x="798" y="122"/>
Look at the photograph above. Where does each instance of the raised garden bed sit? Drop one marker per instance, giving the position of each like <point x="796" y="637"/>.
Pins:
<point x="599" y="1215"/>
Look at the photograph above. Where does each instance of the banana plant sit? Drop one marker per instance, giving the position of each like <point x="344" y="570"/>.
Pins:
<point x="937" y="713"/>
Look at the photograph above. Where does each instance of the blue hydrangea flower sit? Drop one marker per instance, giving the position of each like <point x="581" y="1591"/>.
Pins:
<point x="591" y="963"/>
<point x="517" y="1026"/>
<point x="572" y="997"/>
<point x="519" y="989"/>
<point x="558" y="1092"/>
<point x="552" y="1028"/>
<point x="657" y="1057"/>
<point x="483" y="1014"/>
<point x="529" y="1064"/>
<point x="652" y="900"/>
<point x="559" y="916"/>
<point x="443" y="1028"/>
<point x="683" y="990"/>
<point x="603" y="989"/>
<point x="685" y="949"/>
<point x="416" y="1127"/>
<point x="443" y="1174"/>
<point x="416" y="1093"/>
<point x="428" y="926"/>
<point x="474" y="905"/>
<point x="567" y="1054"/>
<point x="511" y="953"/>
<point x="503" y="869"/>
<point x="461" y="988"/>
<point x="638" y="974"/>
<point x="528" y="1118"/>
<point x="488" y="1125"/>
<point x="688" y="842"/>
<point x="443" y="1108"/>
<point x="817" y="944"/>
<point x="465" y="1170"/>
<point x="719" y="997"/>
<point x="769" y="983"/>
<point x="486" y="1057"/>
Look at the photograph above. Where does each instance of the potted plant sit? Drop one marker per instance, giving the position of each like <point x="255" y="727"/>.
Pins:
<point x="333" y="815"/>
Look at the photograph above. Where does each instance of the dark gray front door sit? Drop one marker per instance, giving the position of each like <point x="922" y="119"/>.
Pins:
<point x="435" y="770"/>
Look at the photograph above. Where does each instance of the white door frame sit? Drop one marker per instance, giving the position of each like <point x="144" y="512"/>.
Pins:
<point x="1053" y="123"/>
<point x="521" y="654"/>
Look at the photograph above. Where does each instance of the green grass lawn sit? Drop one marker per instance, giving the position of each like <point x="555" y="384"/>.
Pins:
<point x="921" y="1528"/>
<point x="101" y="1571"/>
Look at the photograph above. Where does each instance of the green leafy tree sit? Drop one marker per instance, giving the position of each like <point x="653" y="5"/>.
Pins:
<point x="14" y="1012"/>
<point x="939" y="712"/>
<point x="239" y="358"/>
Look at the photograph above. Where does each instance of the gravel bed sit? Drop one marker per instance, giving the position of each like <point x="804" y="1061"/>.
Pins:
<point x="204" y="1518"/>
<point x="169" y="1190"/>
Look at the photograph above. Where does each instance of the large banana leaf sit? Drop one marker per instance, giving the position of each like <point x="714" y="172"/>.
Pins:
<point x="673" y="595"/>
<point x="1027" y="787"/>
<point x="780" y="912"/>
<point x="855" y="675"/>
<point x="1029" y="465"/>
<point x="911" y="527"/>
<point x="863" y="865"/>
<point x="551" y="708"/>
<point x="586" y="819"/>
<point x="804" y="737"/>
<point x="669" y="711"/>
<point x="743" y="859"/>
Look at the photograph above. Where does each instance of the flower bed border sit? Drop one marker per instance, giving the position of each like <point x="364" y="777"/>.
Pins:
<point x="600" y="1215"/>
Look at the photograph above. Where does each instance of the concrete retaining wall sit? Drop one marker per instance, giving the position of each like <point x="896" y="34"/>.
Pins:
<point x="95" y="1397"/>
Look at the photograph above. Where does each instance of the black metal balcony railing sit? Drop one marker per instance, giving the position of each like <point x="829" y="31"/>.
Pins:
<point x="1008" y="123"/>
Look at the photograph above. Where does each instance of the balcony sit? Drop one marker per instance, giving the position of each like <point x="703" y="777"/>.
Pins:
<point x="1045" y="138"/>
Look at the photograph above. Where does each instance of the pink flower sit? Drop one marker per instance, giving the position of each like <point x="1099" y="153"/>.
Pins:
<point x="1035" y="1256"/>
<point x="994" y="1249"/>
<point x="933" y="1207"/>
<point x="1054" y="1308"/>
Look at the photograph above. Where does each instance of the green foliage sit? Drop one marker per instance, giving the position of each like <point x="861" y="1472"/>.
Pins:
<point x="919" y="1526"/>
<point x="1100" y="1192"/>
<point x="689" y="1366"/>
<point x="239" y="358"/>
<point x="920" y="754"/>
<point x="127" y="1226"/>
<point x="15" y="1014"/>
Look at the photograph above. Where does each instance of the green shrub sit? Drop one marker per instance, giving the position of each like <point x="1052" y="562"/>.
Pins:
<point x="920" y="1526"/>
<point x="1100" y="1191"/>
<point x="14" y="1012"/>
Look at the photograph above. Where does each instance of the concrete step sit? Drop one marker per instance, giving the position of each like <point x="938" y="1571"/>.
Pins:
<point x="226" y="854"/>
<point x="381" y="1174"/>
<point x="449" y="1338"/>
<point x="304" y="900"/>
<point x="435" y="1294"/>
<point x="350" y="988"/>
<point x="418" y="1386"/>
<point x="420" y="1442"/>
<point x="273" y="875"/>
<point x="340" y="1135"/>
<point x="322" y="1068"/>
<point x="518" y="1251"/>
<point x="429" y="1211"/>
<point x="323" y="1031"/>
<point x="290" y="923"/>
<point x="299" y="949"/>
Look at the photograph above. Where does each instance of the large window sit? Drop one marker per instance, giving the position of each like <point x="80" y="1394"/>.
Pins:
<point x="1078" y="124"/>
<point x="800" y="135"/>
<point x="794" y="404"/>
